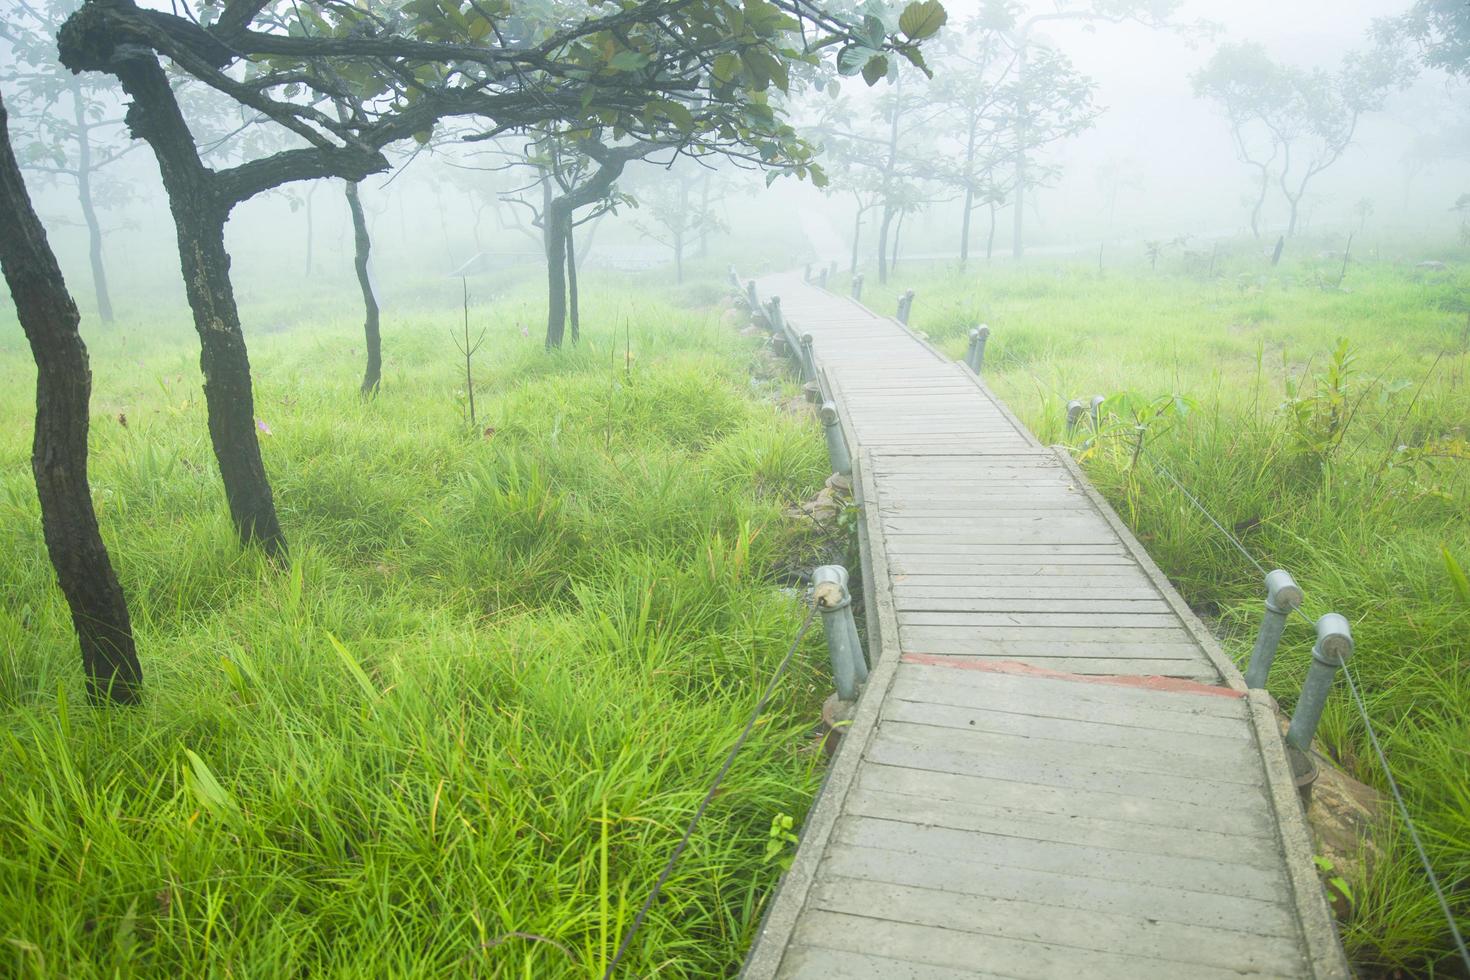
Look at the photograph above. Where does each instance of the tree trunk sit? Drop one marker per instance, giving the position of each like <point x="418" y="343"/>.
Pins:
<point x="89" y="213"/>
<point x="679" y="256"/>
<point x="965" y="227"/>
<point x="990" y="237"/>
<point x="310" y="228"/>
<point x="555" y="220"/>
<point x="857" y="234"/>
<point x="372" y="336"/>
<point x="883" y="245"/>
<point x="897" y="234"/>
<point x="969" y="189"/>
<point x="1295" y="202"/>
<point x="572" y="299"/>
<point x="199" y="220"/>
<point x="49" y="318"/>
<point x="1260" y="203"/>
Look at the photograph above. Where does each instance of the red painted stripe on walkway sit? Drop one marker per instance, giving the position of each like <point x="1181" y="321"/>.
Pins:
<point x="1148" y="682"/>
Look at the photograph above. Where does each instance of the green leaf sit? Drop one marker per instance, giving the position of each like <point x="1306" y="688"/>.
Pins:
<point x="628" y="61"/>
<point x="679" y="115"/>
<point x="1458" y="580"/>
<point x="354" y="668"/>
<point x="875" y="69"/>
<point x="851" y="59"/>
<point x="922" y="19"/>
<point x="206" y="789"/>
<point x="727" y="67"/>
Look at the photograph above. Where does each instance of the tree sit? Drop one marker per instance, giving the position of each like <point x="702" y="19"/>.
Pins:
<point x="1007" y="17"/>
<point x="1243" y="81"/>
<point x="399" y="70"/>
<point x="1308" y="116"/>
<point x="115" y="38"/>
<point x="1439" y="28"/>
<point x="361" y="251"/>
<point x="879" y="150"/>
<point x="49" y="318"/>
<point x="1001" y="115"/>
<point x="61" y="124"/>
<point x="667" y="199"/>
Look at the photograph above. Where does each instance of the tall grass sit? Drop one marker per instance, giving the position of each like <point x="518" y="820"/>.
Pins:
<point x="460" y="732"/>
<point x="1345" y="463"/>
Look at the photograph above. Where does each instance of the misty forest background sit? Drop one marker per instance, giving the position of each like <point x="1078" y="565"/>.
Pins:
<point x="512" y="531"/>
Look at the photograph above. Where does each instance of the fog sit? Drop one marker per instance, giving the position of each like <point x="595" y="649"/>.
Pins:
<point x="1158" y="163"/>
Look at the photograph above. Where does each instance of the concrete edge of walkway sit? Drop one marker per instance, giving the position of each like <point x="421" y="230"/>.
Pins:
<point x="773" y="938"/>
<point x="1319" y="929"/>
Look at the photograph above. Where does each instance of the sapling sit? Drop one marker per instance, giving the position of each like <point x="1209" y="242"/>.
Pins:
<point x="468" y="348"/>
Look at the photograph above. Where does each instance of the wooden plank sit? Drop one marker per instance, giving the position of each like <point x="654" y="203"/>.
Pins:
<point x="975" y="637"/>
<point x="1063" y="603"/>
<point x="1043" y="650"/>
<point x="1012" y="958"/>
<point x="1190" y="874"/>
<point x="933" y="755"/>
<point x="1032" y="619"/>
<point x="1064" y="696"/>
<point x="1075" y="828"/>
<point x="1063" y="800"/>
<point x="1089" y="706"/>
<point x="986" y="588"/>
<point x="1196" y="749"/>
<point x="1174" y="942"/>
<point x="805" y="962"/>
<point x="909" y="727"/>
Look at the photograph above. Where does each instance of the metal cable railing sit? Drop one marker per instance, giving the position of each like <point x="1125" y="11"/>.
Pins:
<point x="714" y="787"/>
<point x="1393" y="785"/>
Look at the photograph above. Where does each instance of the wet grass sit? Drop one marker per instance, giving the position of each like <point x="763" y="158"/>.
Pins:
<point x="460" y="733"/>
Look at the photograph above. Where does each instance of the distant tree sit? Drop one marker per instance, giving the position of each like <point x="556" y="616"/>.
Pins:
<point x="1309" y="116"/>
<point x="674" y="205"/>
<point x="879" y="149"/>
<point x="1244" y="82"/>
<point x="1011" y="20"/>
<point x="1000" y="115"/>
<point x="59" y="452"/>
<point x="64" y="126"/>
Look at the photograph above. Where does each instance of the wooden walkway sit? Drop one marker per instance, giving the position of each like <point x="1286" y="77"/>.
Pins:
<point x="1053" y="771"/>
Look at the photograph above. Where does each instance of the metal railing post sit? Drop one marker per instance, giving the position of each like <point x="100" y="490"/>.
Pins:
<point x="807" y="275"/>
<point x="822" y="278"/>
<point x="905" y="304"/>
<point x="857" y="287"/>
<point x="975" y="356"/>
<point x="1097" y="403"/>
<point x="836" y="440"/>
<point x="1333" y="648"/>
<point x="751" y="298"/>
<point x="834" y="602"/>
<point x="1283" y="596"/>
<point x="1074" y="415"/>
<point x="734" y="279"/>
<point x="808" y="359"/>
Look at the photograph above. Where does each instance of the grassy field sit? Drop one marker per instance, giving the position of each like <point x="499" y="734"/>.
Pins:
<point x="1328" y="428"/>
<point x="460" y="734"/>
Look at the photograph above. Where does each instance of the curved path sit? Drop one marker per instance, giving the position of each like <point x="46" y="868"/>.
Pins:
<point x="1054" y="771"/>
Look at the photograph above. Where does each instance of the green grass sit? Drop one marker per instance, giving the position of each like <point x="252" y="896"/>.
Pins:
<point x="461" y="732"/>
<point x="1308" y="469"/>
